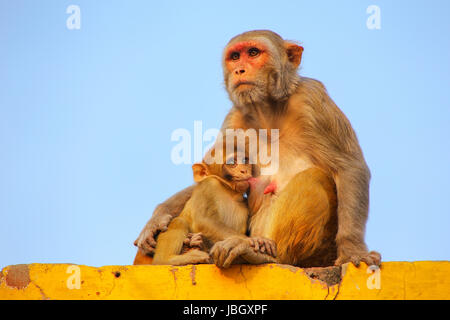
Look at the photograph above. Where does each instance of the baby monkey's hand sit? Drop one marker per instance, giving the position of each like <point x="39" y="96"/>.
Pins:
<point x="264" y="245"/>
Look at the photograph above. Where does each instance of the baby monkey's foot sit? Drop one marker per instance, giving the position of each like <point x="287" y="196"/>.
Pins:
<point x="264" y="245"/>
<point x="193" y="241"/>
<point x="196" y="257"/>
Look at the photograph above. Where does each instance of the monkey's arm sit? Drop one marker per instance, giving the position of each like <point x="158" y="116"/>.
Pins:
<point x="161" y="217"/>
<point x="352" y="178"/>
<point x="338" y="150"/>
<point x="170" y="243"/>
<point x="352" y="186"/>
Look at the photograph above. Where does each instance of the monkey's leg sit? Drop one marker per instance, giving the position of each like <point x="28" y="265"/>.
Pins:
<point x="304" y="220"/>
<point x="193" y="241"/>
<point x="142" y="258"/>
<point x="191" y="257"/>
<point x="171" y="241"/>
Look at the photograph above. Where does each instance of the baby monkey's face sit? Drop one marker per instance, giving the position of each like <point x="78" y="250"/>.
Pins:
<point x="238" y="173"/>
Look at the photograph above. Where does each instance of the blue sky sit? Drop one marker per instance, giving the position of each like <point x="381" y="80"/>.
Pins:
<point x="86" y="115"/>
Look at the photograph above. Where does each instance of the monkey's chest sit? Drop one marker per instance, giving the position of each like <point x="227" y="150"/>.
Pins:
<point x="232" y="213"/>
<point x="286" y="159"/>
<point x="236" y="217"/>
<point x="290" y="166"/>
<point x="291" y="161"/>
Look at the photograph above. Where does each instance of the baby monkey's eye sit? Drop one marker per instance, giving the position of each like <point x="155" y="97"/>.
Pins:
<point x="253" y="52"/>
<point x="245" y="160"/>
<point x="231" y="161"/>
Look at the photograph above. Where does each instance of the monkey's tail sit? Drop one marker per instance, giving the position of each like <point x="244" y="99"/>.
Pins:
<point x="170" y="243"/>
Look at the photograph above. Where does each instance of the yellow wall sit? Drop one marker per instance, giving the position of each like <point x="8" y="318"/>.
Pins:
<point x="395" y="280"/>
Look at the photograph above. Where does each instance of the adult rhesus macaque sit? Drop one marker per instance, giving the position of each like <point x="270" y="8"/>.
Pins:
<point x="316" y="206"/>
<point x="217" y="210"/>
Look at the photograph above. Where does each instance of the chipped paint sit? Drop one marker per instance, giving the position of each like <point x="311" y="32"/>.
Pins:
<point x="193" y="275"/>
<point x="18" y="276"/>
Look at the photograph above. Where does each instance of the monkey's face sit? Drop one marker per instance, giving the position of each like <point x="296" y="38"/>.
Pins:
<point x="244" y="66"/>
<point x="260" y="66"/>
<point x="238" y="173"/>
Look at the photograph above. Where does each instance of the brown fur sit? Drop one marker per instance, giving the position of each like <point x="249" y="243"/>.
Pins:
<point x="142" y="258"/>
<point x="162" y="215"/>
<point x="307" y="224"/>
<point x="216" y="209"/>
<point x="313" y="129"/>
<point x="319" y="151"/>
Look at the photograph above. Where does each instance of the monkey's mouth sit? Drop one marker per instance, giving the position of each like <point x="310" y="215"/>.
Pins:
<point x="242" y="178"/>
<point x="241" y="185"/>
<point x="240" y="83"/>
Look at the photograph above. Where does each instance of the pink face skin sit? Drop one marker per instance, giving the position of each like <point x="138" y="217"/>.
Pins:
<point x="243" y="60"/>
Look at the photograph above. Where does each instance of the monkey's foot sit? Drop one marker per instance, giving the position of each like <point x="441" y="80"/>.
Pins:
<point x="370" y="258"/>
<point x="224" y="252"/>
<point x="237" y="250"/>
<point x="196" y="257"/>
<point x="193" y="241"/>
<point x="264" y="245"/>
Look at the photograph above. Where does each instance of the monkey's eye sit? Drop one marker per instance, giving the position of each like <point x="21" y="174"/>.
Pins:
<point x="234" y="55"/>
<point x="253" y="52"/>
<point x="245" y="160"/>
<point x="230" y="162"/>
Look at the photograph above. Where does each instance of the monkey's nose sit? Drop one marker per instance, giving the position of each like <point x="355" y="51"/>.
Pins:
<point x="240" y="71"/>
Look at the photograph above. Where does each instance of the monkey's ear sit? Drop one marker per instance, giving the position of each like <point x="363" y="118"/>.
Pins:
<point x="294" y="53"/>
<point x="200" y="171"/>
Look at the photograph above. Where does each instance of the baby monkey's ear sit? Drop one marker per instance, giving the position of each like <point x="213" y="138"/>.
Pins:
<point x="200" y="171"/>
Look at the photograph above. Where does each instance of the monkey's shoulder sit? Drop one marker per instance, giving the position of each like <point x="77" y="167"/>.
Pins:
<point x="309" y="91"/>
<point x="312" y="84"/>
<point x="208" y="184"/>
<point x="311" y="101"/>
<point x="211" y="198"/>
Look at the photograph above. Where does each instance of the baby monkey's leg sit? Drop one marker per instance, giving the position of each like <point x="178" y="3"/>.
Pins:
<point x="170" y="244"/>
<point x="193" y="256"/>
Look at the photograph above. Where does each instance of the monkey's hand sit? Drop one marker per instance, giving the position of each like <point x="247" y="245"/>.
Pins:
<point x="225" y="252"/>
<point x="193" y="241"/>
<point x="263" y="245"/>
<point x="370" y="258"/>
<point x="147" y="238"/>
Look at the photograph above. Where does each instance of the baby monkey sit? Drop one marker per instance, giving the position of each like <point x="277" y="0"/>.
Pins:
<point x="217" y="210"/>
